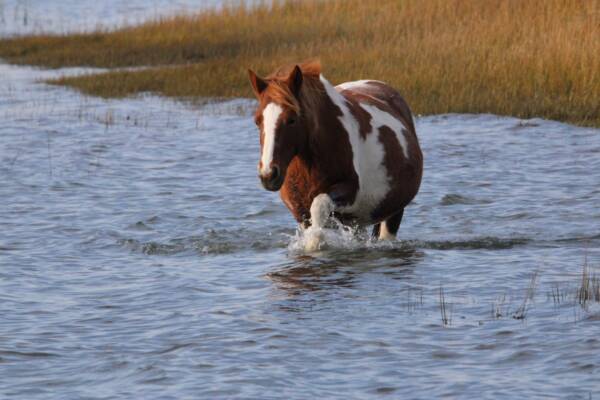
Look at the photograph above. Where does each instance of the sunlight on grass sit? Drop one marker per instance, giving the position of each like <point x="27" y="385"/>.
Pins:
<point x="517" y="57"/>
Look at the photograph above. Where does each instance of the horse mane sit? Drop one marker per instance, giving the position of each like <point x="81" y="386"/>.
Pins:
<point x="310" y="92"/>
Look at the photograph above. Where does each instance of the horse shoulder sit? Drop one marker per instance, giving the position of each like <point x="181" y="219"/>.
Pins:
<point x="296" y="190"/>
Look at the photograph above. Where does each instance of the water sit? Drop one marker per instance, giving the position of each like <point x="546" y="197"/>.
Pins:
<point x="140" y="258"/>
<point x="19" y="17"/>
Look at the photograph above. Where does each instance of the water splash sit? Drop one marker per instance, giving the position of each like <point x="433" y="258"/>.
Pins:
<point x="335" y="237"/>
<point x="315" y="239"/>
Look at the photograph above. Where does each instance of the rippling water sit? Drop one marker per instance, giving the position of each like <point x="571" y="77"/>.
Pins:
<point x="140" y="258"/>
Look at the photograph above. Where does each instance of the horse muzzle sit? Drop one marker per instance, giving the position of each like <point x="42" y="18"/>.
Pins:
<point x="273" y="180"/>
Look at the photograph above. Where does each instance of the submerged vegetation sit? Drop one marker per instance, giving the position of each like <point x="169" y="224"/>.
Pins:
<point x="523" y="58"/>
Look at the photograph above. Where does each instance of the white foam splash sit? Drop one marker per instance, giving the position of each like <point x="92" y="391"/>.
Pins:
<point x="338" y="237"/>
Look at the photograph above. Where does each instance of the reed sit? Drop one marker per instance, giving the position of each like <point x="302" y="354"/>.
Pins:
<point x="445" y="312"/>
<point x="525" y="58"/>
<point x="589" y="288"/>
<point x="521" y="312"/>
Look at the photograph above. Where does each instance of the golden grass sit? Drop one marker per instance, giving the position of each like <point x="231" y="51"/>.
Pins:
<point x="526" y="58"/>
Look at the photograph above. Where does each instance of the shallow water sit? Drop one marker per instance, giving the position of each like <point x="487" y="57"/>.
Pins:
<point x="140" y="258"/>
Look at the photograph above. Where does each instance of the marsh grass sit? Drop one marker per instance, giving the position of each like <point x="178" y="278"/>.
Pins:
<point x="526" y="58"/>
<point x="558" y="295"/>
<point x="581" y="295"/>
<point x="414" y="300"/>
<point x="445" y="308"/>
<point x="521" y="312"/>
<point x="500" y="307"/>
<point x="589" y="288"/>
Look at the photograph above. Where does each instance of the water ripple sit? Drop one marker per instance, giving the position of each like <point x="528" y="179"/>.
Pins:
<point x="142" y="259"/>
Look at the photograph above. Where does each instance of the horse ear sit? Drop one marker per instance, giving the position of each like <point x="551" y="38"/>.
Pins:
<point x="295" y="81"/>
<point x="258" y="84"/>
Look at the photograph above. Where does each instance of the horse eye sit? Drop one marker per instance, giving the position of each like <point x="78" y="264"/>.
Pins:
<point x="291" y="121"/>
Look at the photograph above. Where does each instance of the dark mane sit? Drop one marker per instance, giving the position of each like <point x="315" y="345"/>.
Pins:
<point x="310" y="69"/>
<point x="310" y="93"/>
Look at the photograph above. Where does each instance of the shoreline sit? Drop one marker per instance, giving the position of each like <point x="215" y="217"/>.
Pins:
<point x="532" y="60"/>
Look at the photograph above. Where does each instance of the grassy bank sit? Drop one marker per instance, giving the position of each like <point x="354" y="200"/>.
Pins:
<point x="527" y="58"/>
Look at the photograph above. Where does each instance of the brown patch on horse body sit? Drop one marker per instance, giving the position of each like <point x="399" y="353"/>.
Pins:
<point x="404" y="174"/>
<point x="362" y="116"/>
<point x="386" y="98"/>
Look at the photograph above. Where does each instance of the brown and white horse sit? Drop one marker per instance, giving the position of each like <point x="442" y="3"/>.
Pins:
<point x="349" y="152"/>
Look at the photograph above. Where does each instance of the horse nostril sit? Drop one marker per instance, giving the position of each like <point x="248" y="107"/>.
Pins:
<point x="273" y="180"/>
<point x="274" y="173"/>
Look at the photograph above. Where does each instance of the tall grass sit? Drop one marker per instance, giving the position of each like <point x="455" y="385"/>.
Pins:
<point x="525" y="58"/>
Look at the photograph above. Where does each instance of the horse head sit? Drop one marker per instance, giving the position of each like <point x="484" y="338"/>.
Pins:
<point x="282" y="126"/>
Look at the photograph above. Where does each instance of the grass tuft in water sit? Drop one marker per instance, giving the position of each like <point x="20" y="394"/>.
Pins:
<point x="446" y="313"/>
<point x="558" y="295"/>
<point x="521" y="312"/>
<point x="500" y="307"/>
<point x="589" y="288"/>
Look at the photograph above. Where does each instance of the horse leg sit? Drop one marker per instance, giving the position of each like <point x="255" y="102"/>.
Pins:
<point x="338" y="195"/>
<point x="387" y="229"/>
<point x="321" y="208"/>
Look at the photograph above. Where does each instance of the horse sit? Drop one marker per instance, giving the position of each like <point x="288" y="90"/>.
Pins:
<point x="348" y="152"/>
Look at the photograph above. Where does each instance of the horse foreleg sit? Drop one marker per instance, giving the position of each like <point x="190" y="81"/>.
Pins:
<point x="321" y="208"/>
<point x="325" y="204"/>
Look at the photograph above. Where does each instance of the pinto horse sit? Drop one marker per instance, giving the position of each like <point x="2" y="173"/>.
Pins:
<point x="349" y="152"/>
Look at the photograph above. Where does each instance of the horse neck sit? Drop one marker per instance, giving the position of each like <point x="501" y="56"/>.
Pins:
<point x="324" y="133"/>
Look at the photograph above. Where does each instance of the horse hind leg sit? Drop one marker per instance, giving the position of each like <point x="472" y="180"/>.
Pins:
<point x="387" y="229"/>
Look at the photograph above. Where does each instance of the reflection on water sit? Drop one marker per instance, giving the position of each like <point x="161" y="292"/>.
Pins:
<point x="341" y="268"/>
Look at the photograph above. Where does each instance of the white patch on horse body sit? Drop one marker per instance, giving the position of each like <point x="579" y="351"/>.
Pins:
<point x="271" y="115"/>
<point x="367" y="158"/>
<point x="382" y="118"/>
<point x="355" y="84"/>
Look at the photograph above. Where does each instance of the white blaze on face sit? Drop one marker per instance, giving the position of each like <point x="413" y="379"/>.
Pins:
<point x="271" y="115"/>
